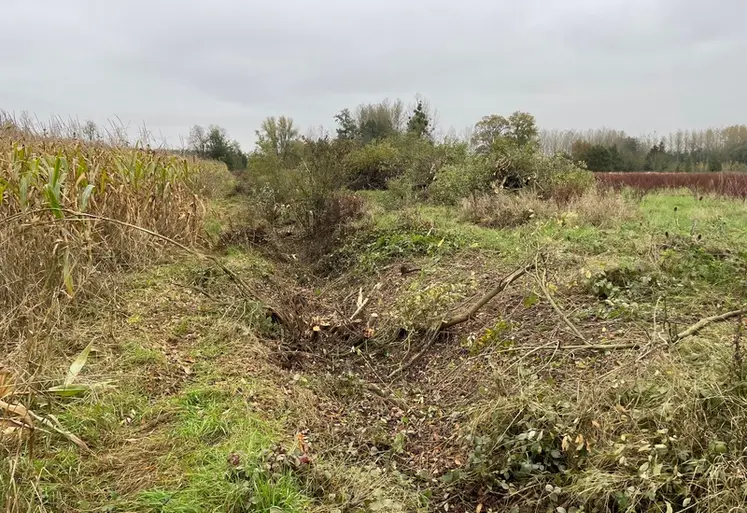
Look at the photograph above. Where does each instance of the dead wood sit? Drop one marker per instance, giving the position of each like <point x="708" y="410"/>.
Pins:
<point x="472" y="311"/>
<point x="464" y="316"/>
<point x="695" y="328"/>
<point x="377" y="390"/>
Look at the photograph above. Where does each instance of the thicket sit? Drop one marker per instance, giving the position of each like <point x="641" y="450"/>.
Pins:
<point x="305" y="183"/>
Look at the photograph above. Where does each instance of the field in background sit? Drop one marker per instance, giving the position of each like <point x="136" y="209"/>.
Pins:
<point x="169" y="347"/>
<point x="725" y="184"/>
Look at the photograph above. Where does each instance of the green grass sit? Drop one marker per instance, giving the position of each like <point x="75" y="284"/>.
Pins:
<point x="212" y="425"/>
<point x="187" y="455"/>
<point x="191" y="387"/>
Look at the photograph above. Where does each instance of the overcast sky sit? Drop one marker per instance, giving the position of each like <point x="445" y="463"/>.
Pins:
<point x="636" y="65"/>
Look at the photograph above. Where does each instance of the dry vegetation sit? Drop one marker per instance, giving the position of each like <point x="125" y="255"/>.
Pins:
<point x="72" y="214"/>
<point x="724" y="184"/>
<point x="313" y="350"/>
<point x="506" y="210"/>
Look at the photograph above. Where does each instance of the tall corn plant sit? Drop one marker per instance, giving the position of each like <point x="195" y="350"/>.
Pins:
<point x="50" y="257"/>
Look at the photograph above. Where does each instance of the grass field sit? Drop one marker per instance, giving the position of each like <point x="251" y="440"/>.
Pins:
<point x="220" y="370"/>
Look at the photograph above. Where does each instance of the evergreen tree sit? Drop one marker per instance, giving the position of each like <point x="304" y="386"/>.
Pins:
<point x="419" y="124"/>
<point x="348" y="129"/>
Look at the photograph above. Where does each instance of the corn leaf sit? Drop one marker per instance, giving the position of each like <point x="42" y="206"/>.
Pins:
<point x="23" y="191"/>
<point x="85" y="197"/>
<point x="17" y="410"/>
<point x="78" y="364"/>
<point x="53" y="200"/>
<point x="69" y="390"/>
<point x="67" y="274"/>
<point x="3" y="186"/>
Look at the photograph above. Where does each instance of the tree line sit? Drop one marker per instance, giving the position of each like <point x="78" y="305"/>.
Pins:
<point x="613" y="150"/>
<point x="600" y="150"/>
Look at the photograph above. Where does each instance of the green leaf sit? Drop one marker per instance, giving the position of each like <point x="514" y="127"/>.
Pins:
<point x="78" y="364"/>
<point x="85" y="196"/>
<point x="3" y="187"/>
<point x="451" y="477"/>
<point x="53" y="201"/>
<point x="23" y="190"/>
<point x="531" y="300"/>
<point x="69" y="390"/>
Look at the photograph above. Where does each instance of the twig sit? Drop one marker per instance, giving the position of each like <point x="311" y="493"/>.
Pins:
<point x="695" y="328"/>
<point x="361" y="306"/>
<point x="542" y="282"/>
<point x="603" y="347"/>
<point x="591" y="347"/>
<point x="192" y="287"/>
<point x="376" y="389"/>
<point x="415" y="358"/>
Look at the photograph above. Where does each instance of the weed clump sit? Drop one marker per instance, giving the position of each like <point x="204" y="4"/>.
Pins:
<point x="669" y="437"/>
<point x="503" y="209"/>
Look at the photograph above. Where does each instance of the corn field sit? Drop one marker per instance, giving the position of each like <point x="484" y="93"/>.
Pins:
<point x="68" y="213"/>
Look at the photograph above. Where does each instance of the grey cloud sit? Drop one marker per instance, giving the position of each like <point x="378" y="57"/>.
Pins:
<point x="632" y="64"/>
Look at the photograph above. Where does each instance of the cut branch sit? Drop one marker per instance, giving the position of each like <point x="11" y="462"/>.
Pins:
<point x="695" y="328"/>
<point x="500" y="287"/>
<point x="464" y="316"/>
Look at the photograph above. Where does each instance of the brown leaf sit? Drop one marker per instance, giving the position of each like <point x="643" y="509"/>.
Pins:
<point x="579" y="442"/>
<point x="234" y="459"/>
<point x="566" y="443"/>
<point x="6" y="383"/>
<point x="18" y="410"/>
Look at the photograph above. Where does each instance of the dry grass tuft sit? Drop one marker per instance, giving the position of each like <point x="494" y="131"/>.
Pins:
<point x="603" y="209"/>
<point x="506" y="210"/>
<point x="666" y="433"/>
